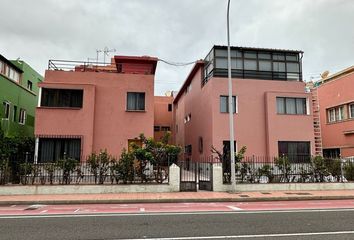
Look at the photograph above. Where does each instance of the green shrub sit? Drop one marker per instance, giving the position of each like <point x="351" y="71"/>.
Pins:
<point x="349" y="171"/>
<point x="266" y="170"/>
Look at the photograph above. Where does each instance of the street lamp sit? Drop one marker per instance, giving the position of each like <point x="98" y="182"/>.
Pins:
<point x="231" y="109"/>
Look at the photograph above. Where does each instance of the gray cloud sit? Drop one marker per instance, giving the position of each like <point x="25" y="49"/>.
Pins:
<point x="176" y="30"/>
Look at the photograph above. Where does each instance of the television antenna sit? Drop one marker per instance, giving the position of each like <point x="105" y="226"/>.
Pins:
<point x="106" y="52"/>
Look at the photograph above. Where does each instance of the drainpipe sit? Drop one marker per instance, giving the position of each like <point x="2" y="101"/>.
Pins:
<point x="37" y="138"/>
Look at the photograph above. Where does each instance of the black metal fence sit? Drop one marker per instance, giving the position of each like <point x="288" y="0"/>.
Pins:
<point x="70" y="171"/>
<point x="284" y="170"/>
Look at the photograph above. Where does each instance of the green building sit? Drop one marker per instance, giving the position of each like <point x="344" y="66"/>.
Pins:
<point x="18" y="96"/>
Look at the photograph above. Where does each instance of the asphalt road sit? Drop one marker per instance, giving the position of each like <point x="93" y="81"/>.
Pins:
<point x="284" y="225"/>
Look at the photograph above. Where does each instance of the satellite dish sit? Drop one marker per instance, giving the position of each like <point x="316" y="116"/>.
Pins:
<point x="325" y="74"/>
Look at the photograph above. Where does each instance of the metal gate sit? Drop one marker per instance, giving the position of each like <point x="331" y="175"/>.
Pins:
<point x="195" y="176"/>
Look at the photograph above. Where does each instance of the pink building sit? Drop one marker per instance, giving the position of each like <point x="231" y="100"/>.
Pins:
<point x="163" y="120"/>
<point x="84" y="108"/>
<point x="336" y="104"/>
<point x="272" y="111"/>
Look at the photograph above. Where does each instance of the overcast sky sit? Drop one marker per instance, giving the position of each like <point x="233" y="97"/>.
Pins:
<point x="176" y="30"/>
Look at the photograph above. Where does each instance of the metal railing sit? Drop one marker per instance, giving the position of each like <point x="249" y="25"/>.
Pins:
<point x="73" y="172"/>
<point x="284" y="170"/>
<point x="83" y="66"/>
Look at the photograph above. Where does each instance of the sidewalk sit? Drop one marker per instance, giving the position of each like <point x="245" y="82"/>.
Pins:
<point x="176" y="197"/>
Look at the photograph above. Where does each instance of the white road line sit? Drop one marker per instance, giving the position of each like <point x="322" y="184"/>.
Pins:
<point x="77" y="210"/>
<point x="13" y="205"/>
<point x="170" y="213"/>
<point x="142" y="209"/>
<point x="234" y="208"/>
<point x="44" y="211"/>
<point x="251" y="236"/>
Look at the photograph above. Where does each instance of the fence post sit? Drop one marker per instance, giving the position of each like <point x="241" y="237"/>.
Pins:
<point x="284" y="170"/>
<point x="341" y="169"/>
<point x="26" y="162"/>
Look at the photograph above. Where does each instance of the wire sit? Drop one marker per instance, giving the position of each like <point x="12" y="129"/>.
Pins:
<point x="177" y="64"/>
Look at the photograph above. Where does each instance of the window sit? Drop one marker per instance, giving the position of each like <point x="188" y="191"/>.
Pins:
<point x="1" y="67"/>
<point x="296" y="106"/>
<point x="250" y="64"/>
<point x="332" y="115"/>
<point x="224" y="104"/>
<point x="188" y="118"/>
<point x="226" y="149"/>
<point x="156" y="128"/>
<point x="278" y="67"/>
<point x="136" y="101"/>
<point x="65" y="98"/>
<point x="340" y="113"/>
<point x="22" y="118"/>
<point x="170" y="107"/>
<point x="6" y="106"/>
<point x="15" y="114"/>
<point x="292" y="67"/>
<point x="265" y="66"/>
<point x="295" y="151"/>
<point x="29" y="85"/>
<point x="165" y="128"/>
<point x="331" y="153"/>
<point x="176" y="128"/>
<point x="54" y="149"/>
<point x="188" y="149"/>
<point x="351" y="110"/>
<point x="337" y="114"/>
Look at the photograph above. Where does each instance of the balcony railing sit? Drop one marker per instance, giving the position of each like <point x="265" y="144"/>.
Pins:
<point x="83" y="66"/>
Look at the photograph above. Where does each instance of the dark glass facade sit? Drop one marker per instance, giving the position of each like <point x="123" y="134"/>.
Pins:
<point x="249" y="63"/>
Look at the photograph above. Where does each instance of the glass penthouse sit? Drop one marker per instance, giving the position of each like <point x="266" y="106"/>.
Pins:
<point x="254" y="63"/>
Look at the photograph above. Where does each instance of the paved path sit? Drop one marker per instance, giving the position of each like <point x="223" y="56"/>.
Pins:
<point x="176" y="197"/>
<point x="324" y="224"/>
<point x="76" y="209"/>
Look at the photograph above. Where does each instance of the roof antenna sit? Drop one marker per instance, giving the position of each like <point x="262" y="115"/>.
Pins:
<point x="106" y="51"/>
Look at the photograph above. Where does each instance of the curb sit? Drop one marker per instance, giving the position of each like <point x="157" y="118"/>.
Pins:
<point x="184" y="200"/>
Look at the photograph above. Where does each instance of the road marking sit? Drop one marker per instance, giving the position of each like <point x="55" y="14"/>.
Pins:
<point x="44" y="211"/>
<point x="142" y="209"/>
<point x="234" y="208"/>
<point x="13" y="205"/>
<point x="250" y="236"/>
<point x="77" y="210"/>
<point x="170" y="213"/>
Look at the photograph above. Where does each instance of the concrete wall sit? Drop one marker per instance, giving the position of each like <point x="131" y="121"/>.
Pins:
<point x="218" y="185"/>
<point x="103" y="121"/>
<point x="172" y="186"/>
<point x="257" y="125"/>
<point x="162" y="117"/>
<point x="334" y="93"/>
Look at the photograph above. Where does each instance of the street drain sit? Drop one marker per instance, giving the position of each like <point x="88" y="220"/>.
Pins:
<point x="301" y="193"/>
<point x="244" y="196"/>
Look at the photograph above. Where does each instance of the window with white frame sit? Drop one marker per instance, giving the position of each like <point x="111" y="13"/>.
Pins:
<point x="6" y="106"/>
<point x="340" y="113"/>
<point x="22" y="118"/>
<point x="224" y="104"/>
<point x="332" y="115"/>
<point x="351" y="110"/>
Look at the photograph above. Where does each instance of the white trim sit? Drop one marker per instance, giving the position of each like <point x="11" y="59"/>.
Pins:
<point x="39" y="96"/>
<point x="349" y="108"/>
